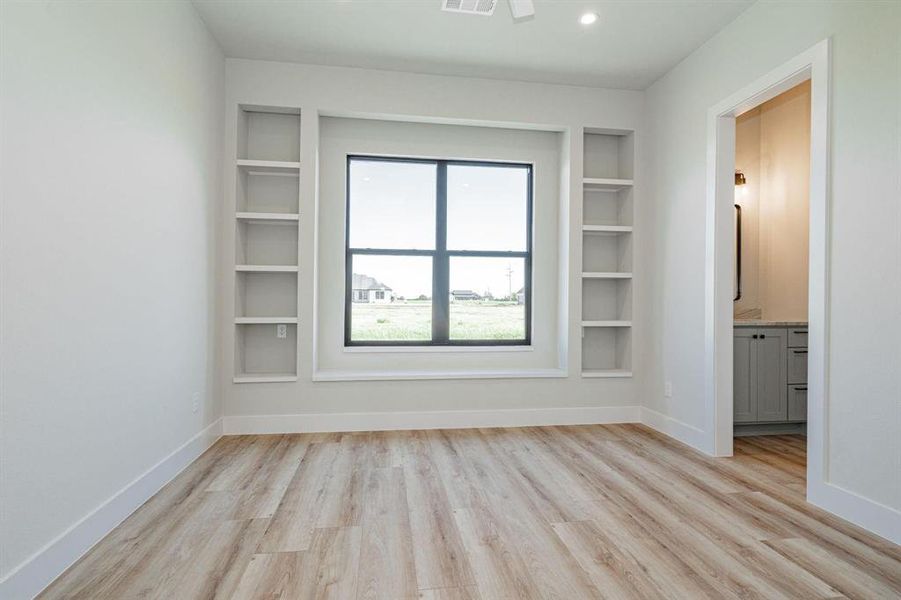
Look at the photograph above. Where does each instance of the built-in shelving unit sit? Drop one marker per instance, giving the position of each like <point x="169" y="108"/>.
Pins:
<point x="267" y="201"/>
<point x="607" y="228"/>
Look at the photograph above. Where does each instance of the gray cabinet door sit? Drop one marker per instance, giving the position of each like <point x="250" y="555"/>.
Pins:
<point x="797" y="403"/>
<point x="744" y="378"/>
<point x="772" y="390"/>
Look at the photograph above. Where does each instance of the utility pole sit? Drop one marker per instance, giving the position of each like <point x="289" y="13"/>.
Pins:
<point x="509" y="281"/>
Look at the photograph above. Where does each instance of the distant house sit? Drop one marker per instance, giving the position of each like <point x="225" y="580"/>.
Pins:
<point x="369" y="290"/>
<point x="458" y="295"/>
<point x="521" y="296"/>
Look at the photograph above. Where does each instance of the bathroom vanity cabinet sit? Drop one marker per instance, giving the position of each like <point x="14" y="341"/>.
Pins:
<point x="770" y="374"/>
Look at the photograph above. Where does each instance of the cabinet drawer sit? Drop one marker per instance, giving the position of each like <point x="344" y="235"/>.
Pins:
<point x="797" y="338"/>
<point x="797" y="365"/>
<point x="797" y="403"/>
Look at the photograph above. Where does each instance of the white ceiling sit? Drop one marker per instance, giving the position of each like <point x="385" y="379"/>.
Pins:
<point x="633" y="43"/>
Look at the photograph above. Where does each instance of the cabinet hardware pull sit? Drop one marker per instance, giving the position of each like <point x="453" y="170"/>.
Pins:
<point x="800" y="332"/>
<point x="762" y="336"/>
<point x="754" y="336"/>
<point x="803" y="389"/>
<point x="800" y="351"/>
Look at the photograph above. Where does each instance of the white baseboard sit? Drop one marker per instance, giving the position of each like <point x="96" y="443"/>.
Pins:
<point x="876" y="518"/>
<point x="38" y="571"/>
<point x="445" y="419"/>
<point x="685" y="433"/>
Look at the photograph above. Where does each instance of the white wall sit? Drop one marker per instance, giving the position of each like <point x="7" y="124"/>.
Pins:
<point x="785" y="204"/>
<point x="772" y="148"/>
<point x="111" y="157"/>
<point x="864" y="364"/>
<point x="454" y="100"/>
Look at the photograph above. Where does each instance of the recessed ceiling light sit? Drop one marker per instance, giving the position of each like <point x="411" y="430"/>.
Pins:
<point x="588" y="18"/>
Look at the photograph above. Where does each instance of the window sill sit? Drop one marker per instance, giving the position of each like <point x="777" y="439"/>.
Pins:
<point x="428" y="349"/>
<point x="330" y="375"/>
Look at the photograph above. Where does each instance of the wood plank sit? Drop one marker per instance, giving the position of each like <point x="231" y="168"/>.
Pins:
<point x="264" y="481"/>
<point x="612" y="568"/>
<point x="386" y="559"/>
<point x="117" y="562"/>
<point x="160" y="566"/>
<point x="865" y="556"/>
<point x="273" y="576"/>
<point x="659" y="514"/>
<point x="438" y="551"/>
<point x="541" y="479"/>
<point x="547" y="561"/>
<point x="292" y="525"/>
<point x="497" y="566"/>
<point x="388" y="448"/>
<point x="464" y="593"/>
<point x="842" y="575"/>
<point x="328" y="569"/>
<point x="216" y="570"/>
<point x="462" y="492"/>
<point x="341" y="501"/>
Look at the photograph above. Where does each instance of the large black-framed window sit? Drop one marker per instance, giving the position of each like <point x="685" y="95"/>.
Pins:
<point x="437" y="252"/>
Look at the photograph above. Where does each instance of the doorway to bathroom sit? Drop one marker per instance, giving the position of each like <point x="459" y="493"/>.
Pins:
<point x="734" y="268"/>
<point x="770" y="295"/>
<point x="770" y="286"/>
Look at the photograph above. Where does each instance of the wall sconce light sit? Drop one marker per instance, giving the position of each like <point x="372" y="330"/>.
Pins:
<point x="740" y="178"/>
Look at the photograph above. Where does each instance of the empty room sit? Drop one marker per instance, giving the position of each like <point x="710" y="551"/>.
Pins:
<point x="450" y="299"/>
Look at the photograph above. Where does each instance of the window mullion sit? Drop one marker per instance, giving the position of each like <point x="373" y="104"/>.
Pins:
<point x="441" y="264"/>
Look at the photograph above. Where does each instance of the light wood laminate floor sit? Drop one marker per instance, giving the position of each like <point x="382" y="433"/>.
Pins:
<point x="550" y="512"/>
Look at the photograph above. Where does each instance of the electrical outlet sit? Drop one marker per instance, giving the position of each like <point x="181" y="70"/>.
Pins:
<point x="195" y="402"/>
<point x="668" y="389"/>
<point x="281" y="331"/>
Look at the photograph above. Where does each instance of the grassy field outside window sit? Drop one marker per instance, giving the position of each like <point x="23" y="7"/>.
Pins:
<point x="411" y="320"/>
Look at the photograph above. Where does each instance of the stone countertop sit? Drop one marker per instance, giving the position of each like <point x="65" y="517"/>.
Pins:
<point x="763" y="323"/>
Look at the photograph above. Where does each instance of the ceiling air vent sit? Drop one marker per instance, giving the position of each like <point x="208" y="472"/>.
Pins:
<point x="472" y="7"/>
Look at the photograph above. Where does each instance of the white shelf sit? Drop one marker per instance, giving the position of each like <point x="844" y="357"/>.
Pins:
<point x="606" y="184"/>
<point x="607" y="229"/>
<point x="261" y="216"/>
<point x="606" y="323"/>
<point x="606" y="275"/>
<point x="268" y="164"/>
<point x="265" y="378"/>
<point x="265" y="320"/>
<point x="266" y="268"/>
<point x="278" y="168"/>
<point x="605" y="373"/>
